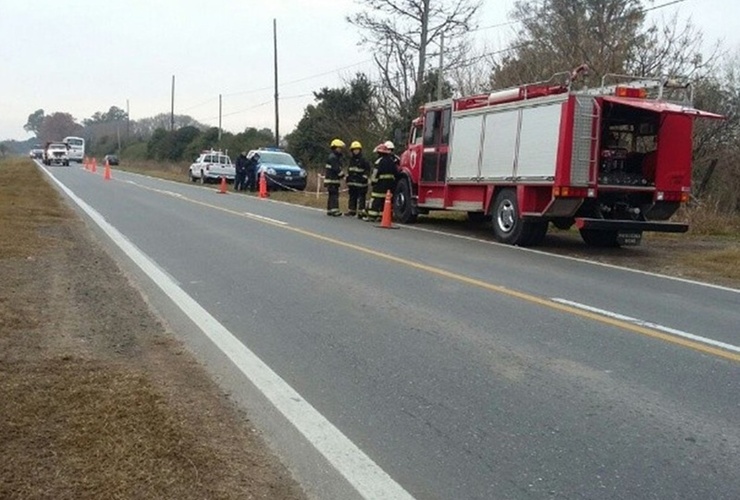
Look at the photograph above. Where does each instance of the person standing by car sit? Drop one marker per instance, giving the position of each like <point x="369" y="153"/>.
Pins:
<point x="382" y="180"/>
<point x="333" y="177"/>
<point x="241" y="172"/>
<point x="251" y="171"/>
<point x="358" y="172"/>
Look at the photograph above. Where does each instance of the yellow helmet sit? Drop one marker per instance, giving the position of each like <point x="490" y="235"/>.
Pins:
<point x="337" y="143"/>
<point x="355" y="145"/>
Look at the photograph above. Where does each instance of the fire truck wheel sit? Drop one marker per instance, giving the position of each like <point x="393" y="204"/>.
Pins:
<point x="403" y="207"/>
<point x="509" y="227"/>
<point x="596" y="238"/>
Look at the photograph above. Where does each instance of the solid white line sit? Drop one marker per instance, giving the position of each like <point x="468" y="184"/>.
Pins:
<point x="266" y="219"/>
<point x="351" y="462"/>
<point x="574" y="259"/>
<point x="648" y="324"/>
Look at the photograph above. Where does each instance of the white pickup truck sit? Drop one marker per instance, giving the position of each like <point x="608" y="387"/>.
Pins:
<point x="210" y="166"/>
<point x="56" y="153"/>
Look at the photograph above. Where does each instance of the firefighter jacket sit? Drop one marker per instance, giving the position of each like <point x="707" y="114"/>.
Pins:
<point x="334" y="173"/>
<point x="384" y="176"/>
<point x="359" y="171"/>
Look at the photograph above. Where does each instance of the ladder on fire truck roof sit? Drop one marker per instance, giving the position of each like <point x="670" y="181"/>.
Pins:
<point x="562" y="82"/>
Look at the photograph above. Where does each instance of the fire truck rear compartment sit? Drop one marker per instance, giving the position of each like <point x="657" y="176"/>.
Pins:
<point x="628" y="146"/>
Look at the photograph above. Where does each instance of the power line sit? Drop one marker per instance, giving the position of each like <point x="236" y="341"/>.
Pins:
<point x="303" y="79"/>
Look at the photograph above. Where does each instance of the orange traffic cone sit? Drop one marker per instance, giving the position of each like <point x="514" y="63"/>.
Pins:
<point x="385" y="221"/>
<point x="106" y="174"/>
<point x="94" y="168"/>
<point x="263" y="186"/>
<point x="222" y="188"/>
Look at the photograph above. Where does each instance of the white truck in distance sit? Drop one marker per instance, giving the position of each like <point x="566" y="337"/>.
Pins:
<point x="210" y="166"/>
<point x="56" y="153"/>
<point x="76" y="146"/>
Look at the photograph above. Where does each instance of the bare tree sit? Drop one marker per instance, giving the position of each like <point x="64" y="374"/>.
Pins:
<point x="400" y="34"/>
<point x="557" y="35"/>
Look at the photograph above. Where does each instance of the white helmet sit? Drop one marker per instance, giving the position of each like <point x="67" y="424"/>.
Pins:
<point x="389" y="145"/>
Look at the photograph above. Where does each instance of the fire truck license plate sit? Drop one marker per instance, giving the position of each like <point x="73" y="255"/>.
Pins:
<point x="629" y="238"/>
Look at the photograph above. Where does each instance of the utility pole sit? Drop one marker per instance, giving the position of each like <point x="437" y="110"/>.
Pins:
<point x="219" y="118"/>
<point x="440" y="80"/>
<point x="277" y="114"/>
<point x="172" y="108"/>
<point x="128" y="123"/>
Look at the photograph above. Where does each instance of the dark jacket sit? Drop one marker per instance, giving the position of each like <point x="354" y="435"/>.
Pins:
<point x="252" y="163"/>
<point x="384" y="175"/>
<point x="241" y="163"/>
<point x="333" y="174"/>
<point x="358" y="171"/>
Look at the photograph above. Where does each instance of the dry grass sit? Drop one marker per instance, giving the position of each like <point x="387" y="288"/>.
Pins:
<point x="723" y="263"/>
<point x="707" y="220"/>
<point x="28" y="203"/>
<point x="96" y="399"/>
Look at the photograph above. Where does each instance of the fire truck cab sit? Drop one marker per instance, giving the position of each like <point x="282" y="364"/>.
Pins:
<point x="613" y="161"/>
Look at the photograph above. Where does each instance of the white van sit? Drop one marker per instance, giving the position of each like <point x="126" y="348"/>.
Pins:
<point x="76" y="148"/>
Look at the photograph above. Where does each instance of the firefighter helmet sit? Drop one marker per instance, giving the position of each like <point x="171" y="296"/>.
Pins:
<point x="381" y="149"/>
<point x="389" y="145"/>
<point x="355" y="145"/>
<point x="337" y="143"/>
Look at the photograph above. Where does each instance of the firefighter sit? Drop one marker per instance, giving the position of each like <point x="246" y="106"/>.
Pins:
<point x="382" y="180"/>
<point x="251" y="171"/>
<point x="358" y="172"/>
<point x="241" y="171"/>
<point x="392" y="147"/>
<point x="333" y="177"/>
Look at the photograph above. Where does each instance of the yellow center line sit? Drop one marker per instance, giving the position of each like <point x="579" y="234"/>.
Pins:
<point x="532" y="299"/>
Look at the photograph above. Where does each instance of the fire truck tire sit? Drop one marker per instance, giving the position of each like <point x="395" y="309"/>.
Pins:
<point x="509" y="227"/>
<point x="597" y="238"/>
<point x="403" y="204"/>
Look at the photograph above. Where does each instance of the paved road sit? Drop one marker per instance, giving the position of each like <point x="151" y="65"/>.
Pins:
<point x="447" y="361"/>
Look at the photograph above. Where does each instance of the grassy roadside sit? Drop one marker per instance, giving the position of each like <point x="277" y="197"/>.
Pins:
<point x="97" y="400"/>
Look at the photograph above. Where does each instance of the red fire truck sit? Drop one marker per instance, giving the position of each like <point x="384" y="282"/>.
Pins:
<point x="613" y="161"/>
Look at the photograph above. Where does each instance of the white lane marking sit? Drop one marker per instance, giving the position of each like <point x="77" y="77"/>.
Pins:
<point x="351" y="462"/>
<point x="575" y="259"/>
<point x="508" y="247"/>
<point x="648" y="324"/>
<point x="266" y="219"/>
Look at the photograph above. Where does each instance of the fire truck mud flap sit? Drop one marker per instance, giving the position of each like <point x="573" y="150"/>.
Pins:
<point x="627" y="232"/>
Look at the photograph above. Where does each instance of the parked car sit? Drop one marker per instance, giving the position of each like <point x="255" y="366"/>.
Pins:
<point x="210" y="166"/>
<point x="111" y="159"/>
<point x="281" y="169"/>
<point x="36" y="154"/>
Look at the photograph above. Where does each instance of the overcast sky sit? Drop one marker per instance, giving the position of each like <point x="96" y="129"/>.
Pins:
<point x="83" y="56"/>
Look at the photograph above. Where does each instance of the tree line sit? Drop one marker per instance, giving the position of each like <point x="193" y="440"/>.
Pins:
<point x="406" y="39"/>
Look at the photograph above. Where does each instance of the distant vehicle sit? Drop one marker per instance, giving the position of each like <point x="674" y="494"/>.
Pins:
<point x="56" y="153"/>
<point x="36" y="153"/>
<point x="281" y="169"/>
<point x="210" y="166"/>
<point x="111" y="159"/>
<point x="76" y="148"/>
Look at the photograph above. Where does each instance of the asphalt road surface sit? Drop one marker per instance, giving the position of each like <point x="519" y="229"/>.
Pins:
<point x="462" y="369"/>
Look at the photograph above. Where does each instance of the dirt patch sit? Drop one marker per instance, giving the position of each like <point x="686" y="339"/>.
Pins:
<point x="98" y="400"/>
